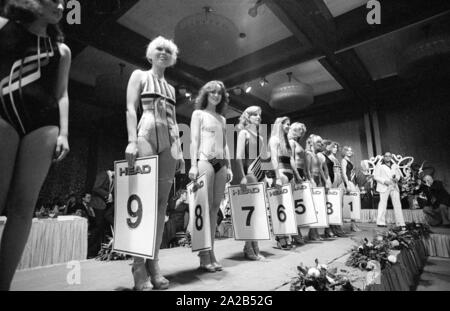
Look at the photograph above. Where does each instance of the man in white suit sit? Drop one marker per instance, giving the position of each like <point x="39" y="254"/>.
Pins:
<point x="387" y="175"/>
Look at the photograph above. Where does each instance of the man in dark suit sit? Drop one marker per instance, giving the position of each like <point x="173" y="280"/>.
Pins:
<point x="438" y="202"/>
<point x="84" y="209"/>
<point x="102" y="203"/>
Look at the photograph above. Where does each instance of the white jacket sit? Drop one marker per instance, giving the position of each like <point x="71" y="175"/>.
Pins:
<point x="383" y="173"/>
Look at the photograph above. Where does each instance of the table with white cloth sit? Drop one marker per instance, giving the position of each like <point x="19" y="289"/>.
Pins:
<point x="54" y="241"/>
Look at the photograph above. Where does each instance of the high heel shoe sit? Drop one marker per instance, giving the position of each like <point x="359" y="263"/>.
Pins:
<point x="249" y="252"/>
<point x="255" y="247"/>
<point x="141" y="280"/>
<point x="205" y="262"/>
<point x="156" y="278"/>
<point x="217" y="266"/>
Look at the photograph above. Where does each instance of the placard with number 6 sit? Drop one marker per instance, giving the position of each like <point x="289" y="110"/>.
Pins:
<point x="248" y="212"/>
<point x="334" y="206"/>
<point x="305" y="211"/>
<point x="282" y="210"/>
<point x="135" y="207"/>
<point x="199" y="222"/>
<point x="320" y="204"/>
<point x="352" y="205"/>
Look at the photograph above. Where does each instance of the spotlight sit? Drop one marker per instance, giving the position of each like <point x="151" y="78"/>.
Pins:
<point x="248" y="88"/>
<point x="237" y="91"/>
<point x="263" y="82"/>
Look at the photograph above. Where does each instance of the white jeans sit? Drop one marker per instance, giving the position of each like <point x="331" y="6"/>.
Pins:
<point x="382" y="205"/>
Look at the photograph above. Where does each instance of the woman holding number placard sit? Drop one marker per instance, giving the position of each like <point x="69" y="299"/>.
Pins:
<point x="249" y="146"/>
<point x="348" y="175"/>
<point x="210" y="155"/>
<point x="155" y="134"/>
<point x="282" y="157"/>
<point x="314" y="171"/>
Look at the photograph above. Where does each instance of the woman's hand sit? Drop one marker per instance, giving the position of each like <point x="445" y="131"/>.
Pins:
<point x="244" y="183"/>
<point x="131" y="153"/>
<point x="62" y="148"/>
<point x="193" y="173"/>
<point x="229" y="175"/>
<point x="180" y="166"/>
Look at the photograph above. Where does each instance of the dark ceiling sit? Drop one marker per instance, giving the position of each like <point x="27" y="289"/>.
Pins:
<point x="339" y="43"/>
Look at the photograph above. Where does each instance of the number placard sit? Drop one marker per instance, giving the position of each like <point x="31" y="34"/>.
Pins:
<point x="282" y="210"/>
<point x="352" y="206"/>
<point x="305" y="211"/>
<point x="320" y="204"/>
<point x="199" y="222"/>
<point x="135" y="207"/>
<point x="248" y="212"/>
<point x="334" y="206"/>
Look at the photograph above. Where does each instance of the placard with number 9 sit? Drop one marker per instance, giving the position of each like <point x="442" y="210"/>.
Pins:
<point x="135" y="204"/>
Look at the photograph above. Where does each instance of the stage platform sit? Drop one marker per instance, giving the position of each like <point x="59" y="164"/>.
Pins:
<point x="180" y="266"/>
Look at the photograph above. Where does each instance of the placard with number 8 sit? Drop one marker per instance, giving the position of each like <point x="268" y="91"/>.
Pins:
<point x="199" y="223"/>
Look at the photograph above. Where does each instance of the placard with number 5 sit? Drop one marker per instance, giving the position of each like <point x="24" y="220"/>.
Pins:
<point x="199" y="223"/>
<point x="135" y="207"/>
<point x="282" y="210"/>
<point x="303" y="203"/>
<point x="248" y="212"/>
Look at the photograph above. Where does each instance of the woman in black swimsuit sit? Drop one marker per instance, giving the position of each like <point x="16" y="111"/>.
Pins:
<point x="34" y="105"/>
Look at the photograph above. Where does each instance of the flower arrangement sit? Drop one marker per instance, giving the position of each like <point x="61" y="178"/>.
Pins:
<point x="319" y="278"/>
<point x="379" y="249"/>
<point x="107" y="254"/>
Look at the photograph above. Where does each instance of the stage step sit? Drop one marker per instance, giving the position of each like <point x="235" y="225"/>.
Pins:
<point x="436" y="275"/>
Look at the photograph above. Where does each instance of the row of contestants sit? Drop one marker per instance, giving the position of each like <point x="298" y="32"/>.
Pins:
<point x="317" y="163"/>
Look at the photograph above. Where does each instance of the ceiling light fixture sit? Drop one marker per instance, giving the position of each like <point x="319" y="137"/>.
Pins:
<point x="247" y="88"/>
<point x="253" y="11"/>
<point x="263" y="82"/>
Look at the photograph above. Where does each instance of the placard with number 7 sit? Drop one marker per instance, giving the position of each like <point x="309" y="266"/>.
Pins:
<point x="199" y="222"/>
<point x="282" y="210"/>
<point x="305" y="211"/>
<point x="248" y="212"/>
<point x="135" y="207"/>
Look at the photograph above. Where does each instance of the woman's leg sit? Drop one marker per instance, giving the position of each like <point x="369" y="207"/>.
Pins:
<point x="204" y="167"/>
<point x="9" y="143"/>
<point x="251" y="248"/>
<point x="33" y="161"/>
<point x="218" y="192"/>
<point x="166" y="173"/>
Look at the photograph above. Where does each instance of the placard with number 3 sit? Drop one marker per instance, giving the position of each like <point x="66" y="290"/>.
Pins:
<point x="135" y="207"/>
<point x="249" y="213"/>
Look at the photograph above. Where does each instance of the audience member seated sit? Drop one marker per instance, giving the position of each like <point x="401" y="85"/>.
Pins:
<point x="438" y="202"/>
